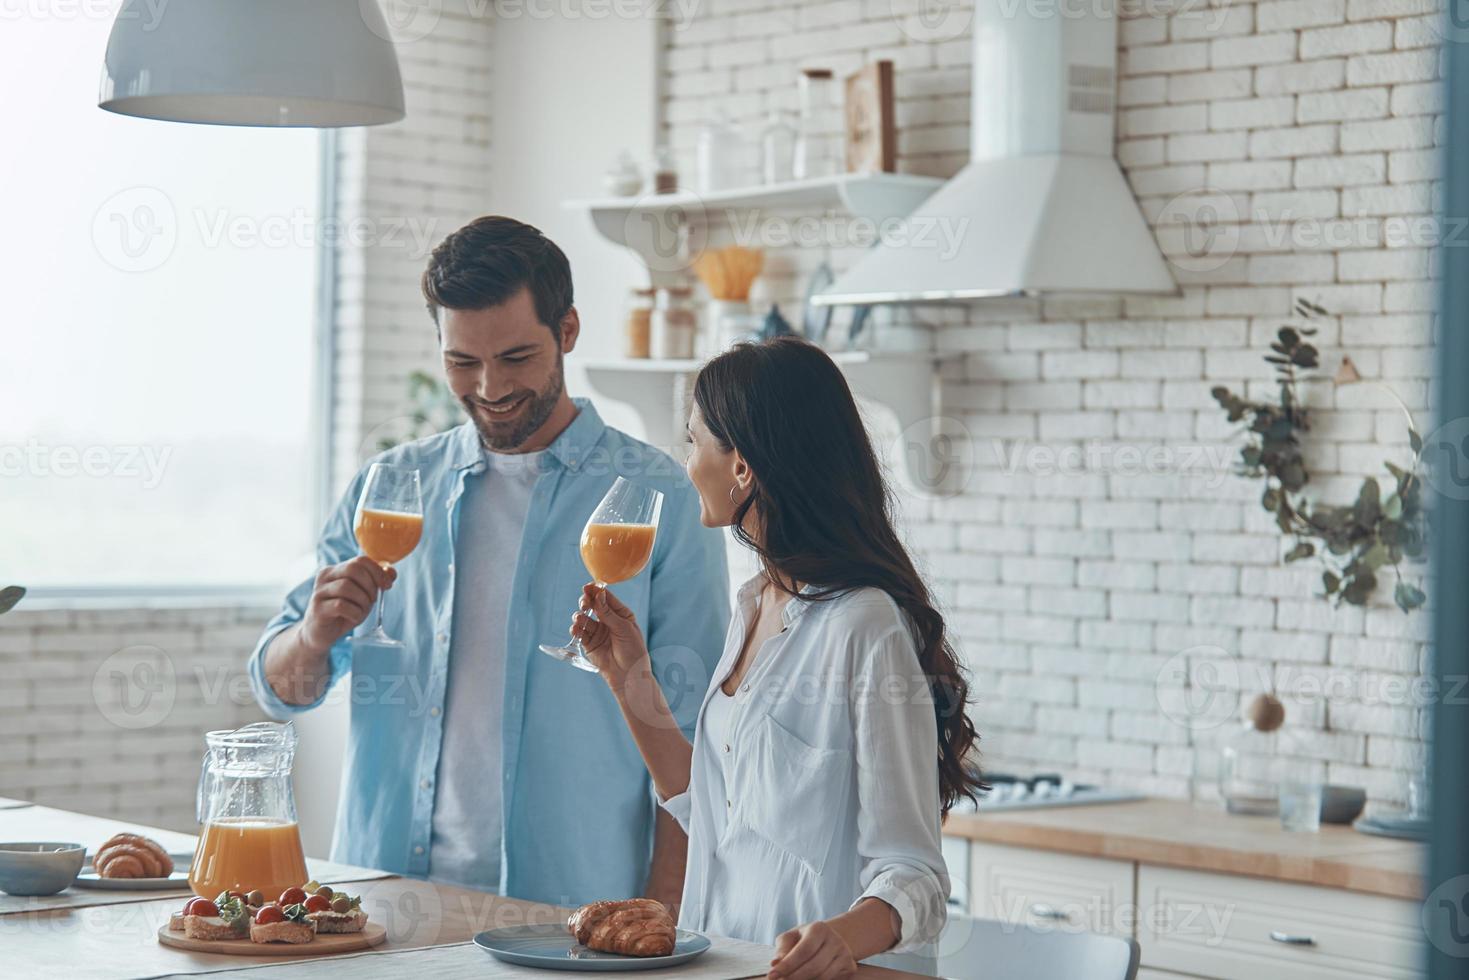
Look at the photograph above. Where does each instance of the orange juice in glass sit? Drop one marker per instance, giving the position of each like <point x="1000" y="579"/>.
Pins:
<point x="247" y="813"/>
<point x="616" y="552"/>
<point x="616" y="544"/>
<point x="388" y="525"/>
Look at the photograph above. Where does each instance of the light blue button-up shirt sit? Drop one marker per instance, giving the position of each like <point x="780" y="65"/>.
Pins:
<point x="578" y="808"/>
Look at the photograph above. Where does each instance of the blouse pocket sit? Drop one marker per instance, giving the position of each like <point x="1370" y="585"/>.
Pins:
<point x="794" y="793"/>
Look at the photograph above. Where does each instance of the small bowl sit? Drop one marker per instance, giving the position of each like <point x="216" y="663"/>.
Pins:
<point x="1342" y="804"/>
<point x="39" y="868"/>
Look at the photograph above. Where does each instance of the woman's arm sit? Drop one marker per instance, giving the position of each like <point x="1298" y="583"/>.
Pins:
<point x="615" y="644"/>
<point x="898" y="809"/>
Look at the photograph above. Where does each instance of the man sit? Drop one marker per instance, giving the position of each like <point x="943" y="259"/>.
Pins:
<point x="473" y="758"/>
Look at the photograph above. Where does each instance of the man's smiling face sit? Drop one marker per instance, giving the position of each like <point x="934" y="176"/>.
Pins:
<point x="506" y="368"/>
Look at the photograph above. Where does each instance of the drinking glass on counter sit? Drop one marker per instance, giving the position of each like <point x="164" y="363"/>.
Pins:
<point x="615" y="546"/>
<point x="388" y="525"/>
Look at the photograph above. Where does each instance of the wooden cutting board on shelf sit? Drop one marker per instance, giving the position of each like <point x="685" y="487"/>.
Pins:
<point x="324" y="944"/>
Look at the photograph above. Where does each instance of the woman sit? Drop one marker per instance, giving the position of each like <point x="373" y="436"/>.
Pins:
<point x="834" y="734"/>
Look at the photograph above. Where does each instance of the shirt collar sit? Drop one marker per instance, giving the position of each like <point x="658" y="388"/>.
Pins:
<point x="797" y="605"/>
<point x="571" y="448"/>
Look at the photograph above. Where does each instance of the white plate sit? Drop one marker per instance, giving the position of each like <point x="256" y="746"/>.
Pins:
<point x="179" y="879"/>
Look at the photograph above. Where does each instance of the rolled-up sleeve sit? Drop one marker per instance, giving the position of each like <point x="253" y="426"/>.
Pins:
<point x="899" y="838"/>
<point x="678" y="807"/>
<point x="335" y="545"/>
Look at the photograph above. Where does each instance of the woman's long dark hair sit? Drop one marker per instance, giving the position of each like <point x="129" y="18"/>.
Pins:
<point x="826" y="511"/>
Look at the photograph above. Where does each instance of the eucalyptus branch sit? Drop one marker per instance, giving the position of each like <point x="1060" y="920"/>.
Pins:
<point x="1352" y="542"/>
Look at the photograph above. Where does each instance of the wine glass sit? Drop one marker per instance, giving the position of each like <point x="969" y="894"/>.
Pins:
<point x="388" y="525"/>
<point x="615" y="545"/>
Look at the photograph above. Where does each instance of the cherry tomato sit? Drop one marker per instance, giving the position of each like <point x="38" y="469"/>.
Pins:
<point x="201" y="906"/>
<point x="318" y="903"/>
<point x="292" y="896"/>
<point x="268" y="914"/>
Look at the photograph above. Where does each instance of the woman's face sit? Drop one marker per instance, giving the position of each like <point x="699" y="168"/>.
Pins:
<point x="715" y="472"/>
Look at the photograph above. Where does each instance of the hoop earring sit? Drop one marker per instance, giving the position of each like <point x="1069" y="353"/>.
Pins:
<point x="732" y="500"/>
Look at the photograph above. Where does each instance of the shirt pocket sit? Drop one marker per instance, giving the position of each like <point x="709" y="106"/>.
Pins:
<point x="791" y="792"/>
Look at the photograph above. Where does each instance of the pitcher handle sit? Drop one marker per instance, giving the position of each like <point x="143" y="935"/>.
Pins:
<point x="201" y="796"/>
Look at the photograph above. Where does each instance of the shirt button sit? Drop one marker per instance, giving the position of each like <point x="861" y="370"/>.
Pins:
<point x="434" y="711"/>
<point x="728" y="804"/>
<point x="426" y="783"/>
<point x="726" y="746"/>
<point x="418" y="849"/>
<point x="443" y="637"/>
<point x="746" y="689"/>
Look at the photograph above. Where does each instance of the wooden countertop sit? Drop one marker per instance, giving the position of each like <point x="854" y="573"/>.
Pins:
<point x="1205" y="838"/>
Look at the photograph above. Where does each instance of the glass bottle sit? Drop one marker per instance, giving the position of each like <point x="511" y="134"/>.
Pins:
<point x="1248" y="779"/>
<point x="816" y="142"/>
<point x="778" y="149"/>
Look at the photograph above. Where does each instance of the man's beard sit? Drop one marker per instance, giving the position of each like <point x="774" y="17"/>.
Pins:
<point x="509" y="436"/>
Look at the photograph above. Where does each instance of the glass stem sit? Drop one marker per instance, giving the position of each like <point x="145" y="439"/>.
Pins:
<point x="382" y="599"/>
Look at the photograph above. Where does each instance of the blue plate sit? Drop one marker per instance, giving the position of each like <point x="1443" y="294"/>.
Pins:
<point x="552" y="947"/>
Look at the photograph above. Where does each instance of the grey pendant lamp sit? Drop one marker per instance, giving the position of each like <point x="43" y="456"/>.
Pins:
<point x="321" y="63"/>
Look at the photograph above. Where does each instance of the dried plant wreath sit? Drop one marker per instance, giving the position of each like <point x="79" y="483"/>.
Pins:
<point x="1354" y="543"/>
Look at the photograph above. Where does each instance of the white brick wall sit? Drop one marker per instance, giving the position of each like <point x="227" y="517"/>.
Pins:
<point x="426" y="175"/>
<point x="68" y="741"/>
<point x="1070" y="594"/>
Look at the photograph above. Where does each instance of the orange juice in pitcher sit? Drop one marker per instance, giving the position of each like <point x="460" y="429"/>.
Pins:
<point x="240" y="854"/>
<point x="247" y="813"/>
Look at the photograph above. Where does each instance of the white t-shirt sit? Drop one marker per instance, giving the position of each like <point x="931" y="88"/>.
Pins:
<point x="468" y="822"/>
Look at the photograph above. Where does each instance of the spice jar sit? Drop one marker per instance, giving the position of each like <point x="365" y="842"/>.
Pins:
<point x="673" y="324"/>
<point x="638" y="319"/>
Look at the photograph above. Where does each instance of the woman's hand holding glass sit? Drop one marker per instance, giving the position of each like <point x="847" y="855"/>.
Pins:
<point x="613" y="641"/>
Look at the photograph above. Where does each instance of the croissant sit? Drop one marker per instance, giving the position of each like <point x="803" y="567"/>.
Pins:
<point x="132" y="856"/>
<point x="635" y="927"/>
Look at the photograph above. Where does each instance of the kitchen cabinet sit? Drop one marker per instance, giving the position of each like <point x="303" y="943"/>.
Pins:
<point x="1044" y="890"/>
<point x="1207" y="896"/>
<point x="1237" y="928"/>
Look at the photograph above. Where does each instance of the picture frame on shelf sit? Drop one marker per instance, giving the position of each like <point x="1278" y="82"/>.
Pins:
<point x="871" y="132"/>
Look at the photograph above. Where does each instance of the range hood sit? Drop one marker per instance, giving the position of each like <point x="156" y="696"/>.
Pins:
<point x="1042" y="206"/>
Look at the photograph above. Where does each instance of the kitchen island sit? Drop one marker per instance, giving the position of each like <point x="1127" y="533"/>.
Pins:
<point x="86" y="934"/>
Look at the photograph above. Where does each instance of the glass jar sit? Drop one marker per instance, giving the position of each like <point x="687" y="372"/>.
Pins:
<point x="719" y="156"/>
<point x="778" y="149"/>
<point x="246" y="808"/>
<point x="638" y="316"/>
<point x="674" y="324"/>
<point x="820" y="126"/>
<point x="665" y="171"/>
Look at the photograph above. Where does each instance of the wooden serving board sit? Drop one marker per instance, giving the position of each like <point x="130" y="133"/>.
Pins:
<point x="324" y="944"/>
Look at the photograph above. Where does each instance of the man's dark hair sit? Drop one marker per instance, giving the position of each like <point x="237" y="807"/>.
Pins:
<point x="491" y="259"/>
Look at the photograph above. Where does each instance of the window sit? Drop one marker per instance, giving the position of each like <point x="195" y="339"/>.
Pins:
<point x="156" y="331"/>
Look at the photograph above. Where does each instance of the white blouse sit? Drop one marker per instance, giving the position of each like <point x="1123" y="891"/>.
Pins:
<point x="822" y="789"/>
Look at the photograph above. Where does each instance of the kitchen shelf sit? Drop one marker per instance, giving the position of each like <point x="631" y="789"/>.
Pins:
<point x="904" y="384"/>
<point x="664" y="228"/>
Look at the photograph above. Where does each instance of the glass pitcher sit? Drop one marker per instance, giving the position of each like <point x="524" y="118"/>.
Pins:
<point x="247" y="813"/>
